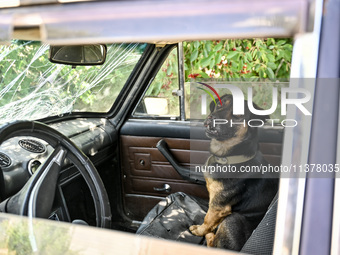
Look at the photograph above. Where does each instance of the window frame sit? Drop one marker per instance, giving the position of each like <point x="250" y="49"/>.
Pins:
<point x="180" y="88"/>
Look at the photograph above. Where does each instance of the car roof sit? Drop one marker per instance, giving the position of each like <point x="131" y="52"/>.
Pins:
<point x="156" y="22"/>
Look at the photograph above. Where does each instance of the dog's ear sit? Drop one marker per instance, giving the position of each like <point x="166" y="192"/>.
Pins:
<point x="261" y="117"/>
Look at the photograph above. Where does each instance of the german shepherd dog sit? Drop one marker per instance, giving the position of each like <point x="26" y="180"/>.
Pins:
<point x="236" y="205"/>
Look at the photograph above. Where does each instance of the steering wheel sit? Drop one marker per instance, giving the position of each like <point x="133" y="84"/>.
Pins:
<point x="36" y="198"/>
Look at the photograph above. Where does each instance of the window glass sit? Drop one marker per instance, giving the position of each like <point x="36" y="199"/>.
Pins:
<point x="160" y="99"/>
<point x="31" y="87"/>
<point x="257" y="63"/>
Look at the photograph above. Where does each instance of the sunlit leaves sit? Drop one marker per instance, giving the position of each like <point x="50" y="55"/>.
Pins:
<point x="265" y="59"/>
<point x="232" y="54"/>
<point x="166" y="81"/>
<point x="194" y="55"/>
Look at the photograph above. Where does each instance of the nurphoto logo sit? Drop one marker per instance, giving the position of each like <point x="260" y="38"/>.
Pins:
<point x="289" y="96"/>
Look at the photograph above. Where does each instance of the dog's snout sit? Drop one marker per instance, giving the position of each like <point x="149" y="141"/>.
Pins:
<point x="208" y="120"/>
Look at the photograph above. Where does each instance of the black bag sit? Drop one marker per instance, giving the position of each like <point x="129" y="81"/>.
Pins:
<point x="171" y="218"/>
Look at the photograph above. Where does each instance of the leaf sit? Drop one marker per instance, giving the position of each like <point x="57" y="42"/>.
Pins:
<point x="240" y="65"/>
<point x="287" y="56"/>
<point x="271" y="58"/>
<point x="218" y="46"/>
<point x="258" y="54"/>
<point x="196" y="44"/>
<point x="270" y="73"/>
<point x="238" y="42"/>
<point x="169" y="70"/>
<point x="247" y="76"/>
<point x="271" y="65"/>
<point x="156" y="89"/>
<point x="253" y="78"/>
<point x="264" y="57"/>
<point x="218" y="58"/>
<point x="205" y="53"/>
<point x="261" y="73"/>
<point x="204" y="75"/>
<point x="231" y="54"/>
<point x="279" y="55"/>
<point x="288" y="47"/>
<point x="234" y="64"/>
<point x="212" y="54"/>
<point x="254" y="53"/>
<point x="194" y="55"/>
<point x="234" y="69"/>
<point x="249" y="57"/>
<point x="205" y="62"/>
<point x="281" y="42"/>
<point x="212" y="63"/>
<point x="269" y="41"/>
<point x="208" y="46"/>
<point x="197" y="66"/>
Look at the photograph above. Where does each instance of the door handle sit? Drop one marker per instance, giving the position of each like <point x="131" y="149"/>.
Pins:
<point x="166" y="187"/>
<point x="186" y="173"/>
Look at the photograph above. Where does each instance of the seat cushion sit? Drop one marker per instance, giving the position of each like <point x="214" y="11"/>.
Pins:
<point x="171" y="218"/>
<point x="261" y="241"/>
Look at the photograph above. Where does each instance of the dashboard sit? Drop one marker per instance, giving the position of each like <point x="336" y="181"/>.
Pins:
<point x="21" y="156"/>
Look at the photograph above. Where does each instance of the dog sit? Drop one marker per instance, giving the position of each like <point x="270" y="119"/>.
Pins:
<point x="236" y="205"/>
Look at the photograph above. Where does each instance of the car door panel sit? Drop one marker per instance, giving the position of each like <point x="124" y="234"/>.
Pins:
<point x="145" y="169"/>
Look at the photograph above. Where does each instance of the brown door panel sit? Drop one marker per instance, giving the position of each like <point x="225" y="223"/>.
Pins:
<point x="140" y="196"/>
<point x="147" y="187"/>
<point x="144" y="169"/>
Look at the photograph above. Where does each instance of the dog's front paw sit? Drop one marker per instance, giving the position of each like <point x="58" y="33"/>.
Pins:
<point x="210" y="239"/>
<point x="198" y="230"/>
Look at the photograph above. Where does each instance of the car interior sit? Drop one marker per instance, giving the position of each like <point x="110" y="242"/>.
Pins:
<point x="105" y="154"/>
<point x="135" y="173"/>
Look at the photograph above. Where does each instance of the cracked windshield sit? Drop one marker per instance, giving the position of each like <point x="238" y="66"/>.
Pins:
<point x="31" y="87"/>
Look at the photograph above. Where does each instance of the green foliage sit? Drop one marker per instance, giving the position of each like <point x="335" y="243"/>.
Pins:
<point x="258" y="63"/>
<point x="248" y="59"/>
<point x="165" y="82"/>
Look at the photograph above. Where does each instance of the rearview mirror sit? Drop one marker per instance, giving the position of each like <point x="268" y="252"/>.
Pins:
<point x="78" y="54"/>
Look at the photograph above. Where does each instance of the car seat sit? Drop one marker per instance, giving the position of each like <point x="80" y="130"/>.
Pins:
<point x="171" y="218"/>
